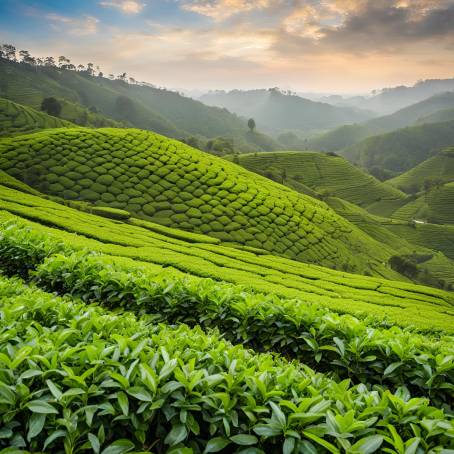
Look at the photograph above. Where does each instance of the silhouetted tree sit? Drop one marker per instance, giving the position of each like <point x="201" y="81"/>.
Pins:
<point x="51" y="106"/>
<point x="251" y="124"/>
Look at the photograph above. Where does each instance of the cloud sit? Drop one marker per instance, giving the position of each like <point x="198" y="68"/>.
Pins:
<point x="223" y="9"/>
<point x="126" y="6"/>
<point x="87" y="25"/>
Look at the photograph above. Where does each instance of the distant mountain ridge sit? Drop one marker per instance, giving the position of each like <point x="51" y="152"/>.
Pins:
<point x="348" y="135"/>
<point x="279" y="111"/>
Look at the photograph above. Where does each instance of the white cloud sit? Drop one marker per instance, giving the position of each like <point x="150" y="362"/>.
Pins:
<point x="126" y="6"/>
<point x="223" y="9"/>
<point x="87" y="25"/>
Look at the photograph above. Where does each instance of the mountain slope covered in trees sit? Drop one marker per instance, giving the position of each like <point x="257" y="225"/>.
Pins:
<point x="142" y="106"/>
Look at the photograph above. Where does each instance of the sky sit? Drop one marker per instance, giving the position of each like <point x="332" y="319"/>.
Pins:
<point x="329" y="46"/>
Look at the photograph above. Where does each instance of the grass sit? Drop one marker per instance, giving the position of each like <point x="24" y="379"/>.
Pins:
<point x="323" y="173"/>
<point x="398" y="302"/>
<point x="439" y="168"/>
<point x="171" y="184"/>
<point x="18" y="119"/>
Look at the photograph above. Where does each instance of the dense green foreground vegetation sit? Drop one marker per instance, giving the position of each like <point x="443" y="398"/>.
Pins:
<point x="172" y="184"/>
<point x="399" y="302"/>
<point x="178" y="388"/>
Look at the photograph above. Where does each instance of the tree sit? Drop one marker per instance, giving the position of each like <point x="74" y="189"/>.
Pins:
<point x="50" y="61"/>
<point x="251" y="124"/>
<point x="9" y="52"/>
<point x="51" y="106"/>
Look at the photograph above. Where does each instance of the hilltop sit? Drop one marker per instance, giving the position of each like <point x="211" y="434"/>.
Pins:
<point x="173" y="184"/>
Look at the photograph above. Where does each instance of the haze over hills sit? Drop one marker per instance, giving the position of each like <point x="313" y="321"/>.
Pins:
<point x="431" y="110"/>
<point x="279" y="111"/>
<point x="142" y="106"/>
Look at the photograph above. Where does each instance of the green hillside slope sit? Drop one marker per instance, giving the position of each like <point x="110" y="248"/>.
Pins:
<point x="435" y="170"/>
<point x="263" y="273"/>
<point x="173" y="184"/>
<point x="141" y="106"/>
<point x="17" y="119"/>
<point x="403" y="149"/>
<point x="426" y="111"/>
<point x="323" y="173"/>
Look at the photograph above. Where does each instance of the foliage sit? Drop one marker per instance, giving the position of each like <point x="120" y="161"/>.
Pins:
<point x="51" y="106"/>
<point x="105" y="382"/>
<point x="172" y="184"/>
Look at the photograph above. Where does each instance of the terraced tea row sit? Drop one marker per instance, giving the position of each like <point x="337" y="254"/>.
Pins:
<point x="16" y="119"/>
<point x="172" y="184"/>
<point x="400" y="302"/>
<point x="435" y="170"/>
<point x="324" y="173"/>
<point x="180" y="390"/>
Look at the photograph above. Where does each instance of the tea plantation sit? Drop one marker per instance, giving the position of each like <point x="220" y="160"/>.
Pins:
<point x="172" y="184"/>
<point x="16" y="119"/>
<point x="439" y="168"/>
<point x="79" y="377"/>
<point x="324" y="173"/>
<point x="131" y="322"/>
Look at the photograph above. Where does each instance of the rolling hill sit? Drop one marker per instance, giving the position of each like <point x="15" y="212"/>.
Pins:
<point x="426" y="111"/>
<point x="141" y="106"/>
<point x="172" y="184"/>
<point x="277" y="111"/>
<point x="18" y="119"/>
<point x="346" y="189"/>
<point x="438" y="169"/>
<point x="400" y="150"/>
<point x="323" y="173"/>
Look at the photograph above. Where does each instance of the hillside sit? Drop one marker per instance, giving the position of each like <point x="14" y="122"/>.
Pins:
<point x="168" y="182"/>
<point x="426" y="111"/>
<point x="345" y="188"/>
<point x="17" y="119"/>
<point x="277" y="111"/>
<point x="180" y="253"/>
<point x="323" y="173"/>
<point x="389" y="100"/>
<point x="435" y="170"/>
<point x="141" y="106"/>
<point x="400" y="150"/>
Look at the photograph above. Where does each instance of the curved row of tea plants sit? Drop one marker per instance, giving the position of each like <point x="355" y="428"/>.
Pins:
<point x="173" y="184"/>
<point x="322" y="172"/>
<point x="340" y="344"/>
<point x="399" y="302"/>
<point x="77" y="378"/>
<point x="17" y="119"/>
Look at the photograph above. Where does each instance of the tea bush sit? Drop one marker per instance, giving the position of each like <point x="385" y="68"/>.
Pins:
<point x="170" y="166"/>
<point x="77" y="378"/>
<point x="335" y="343"/>
<point x="401" y="303"/>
